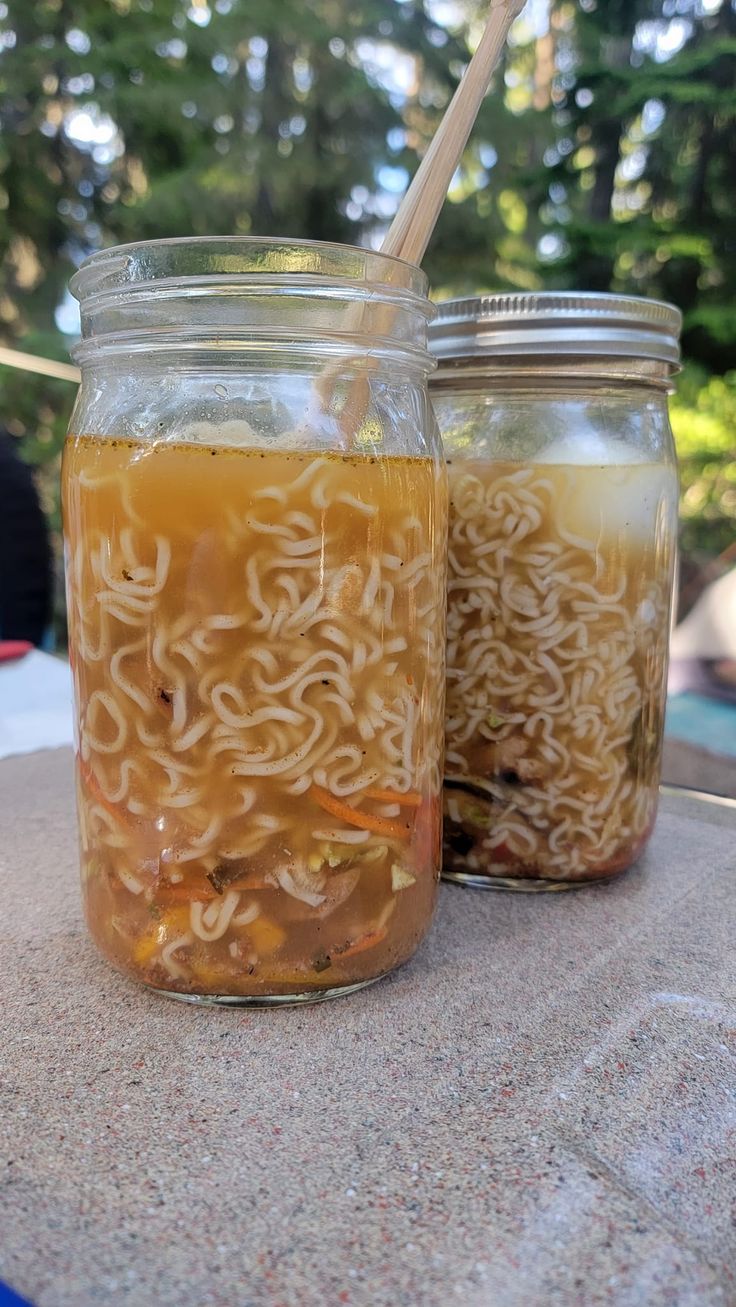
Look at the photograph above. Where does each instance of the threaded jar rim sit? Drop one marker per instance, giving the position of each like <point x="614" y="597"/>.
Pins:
<point x="584" y="323"/>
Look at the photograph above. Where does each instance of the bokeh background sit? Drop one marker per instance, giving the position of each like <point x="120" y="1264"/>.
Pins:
<point x="604" y="158"/>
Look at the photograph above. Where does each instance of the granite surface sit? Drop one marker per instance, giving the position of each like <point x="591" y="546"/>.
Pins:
<point x="539" y="1109"/>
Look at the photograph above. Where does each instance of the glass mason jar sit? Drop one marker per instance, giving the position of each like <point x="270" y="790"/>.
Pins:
<point x="255" y="525"/>
<point x="563" y="519"/>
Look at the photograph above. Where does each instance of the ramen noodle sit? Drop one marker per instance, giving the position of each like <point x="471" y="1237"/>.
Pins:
<point x="560" y="581"/>
<point x="257" y="647"/>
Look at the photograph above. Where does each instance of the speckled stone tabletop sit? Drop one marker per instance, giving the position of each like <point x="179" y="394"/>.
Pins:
<point x="539" y="1109"/>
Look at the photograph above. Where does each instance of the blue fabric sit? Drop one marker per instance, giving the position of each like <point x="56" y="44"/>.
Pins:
<point x="708" y="723"/>
<point x="10" y="1299"/>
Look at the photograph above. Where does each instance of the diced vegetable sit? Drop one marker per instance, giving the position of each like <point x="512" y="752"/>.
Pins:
<point x="146" y="947"/>
<point x="393" y="830"/>
<point x="361" y="945"/>
<point x="266" y="936"/>
<point x="167" y="925"/>
<point x="401" y="878"/>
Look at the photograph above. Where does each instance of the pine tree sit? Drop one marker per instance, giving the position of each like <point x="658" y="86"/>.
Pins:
<point x="642" y="165"/>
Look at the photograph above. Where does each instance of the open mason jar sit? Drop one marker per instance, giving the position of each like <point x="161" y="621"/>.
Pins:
<point x="563" y="518"/>
<point x="255" y="525"/>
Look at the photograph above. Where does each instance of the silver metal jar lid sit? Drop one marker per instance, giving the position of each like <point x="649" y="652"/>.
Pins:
<point x="556" y="322"/>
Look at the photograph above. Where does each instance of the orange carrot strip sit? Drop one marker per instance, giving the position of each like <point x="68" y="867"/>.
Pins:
<point x="392" y="796"/>
<point x="363" y="820"/>
<point x="362" y="945"/>
<point x="251" y="882"/>
<point x="180" y="892"/>
<point x="95" y="791"/>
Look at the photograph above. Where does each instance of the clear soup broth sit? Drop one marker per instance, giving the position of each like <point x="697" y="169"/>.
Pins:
<point x="257" y="649"/>
<point x="560" y="581"/>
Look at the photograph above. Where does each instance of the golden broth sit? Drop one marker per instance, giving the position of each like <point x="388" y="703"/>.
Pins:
<point x="560" y="581"/>
<point x="257" y="648"/>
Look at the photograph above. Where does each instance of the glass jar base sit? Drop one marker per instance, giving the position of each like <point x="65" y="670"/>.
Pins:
<point x="524" y="885"/>
<point x="265" y="1000"/>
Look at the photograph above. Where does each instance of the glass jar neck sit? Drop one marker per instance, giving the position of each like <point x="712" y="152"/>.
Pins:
<point x="246" y="295"/>
<point x="542" y="374"/>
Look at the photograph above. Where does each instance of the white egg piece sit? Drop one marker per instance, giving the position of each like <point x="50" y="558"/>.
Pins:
<point x="611" y="489"/>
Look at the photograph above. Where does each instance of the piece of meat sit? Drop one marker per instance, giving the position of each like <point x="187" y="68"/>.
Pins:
<point x="512" y="760"/>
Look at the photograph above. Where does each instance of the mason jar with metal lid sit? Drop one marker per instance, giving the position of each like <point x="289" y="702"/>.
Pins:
<point x="255" y="508"/>
<point x="563" y="519"/>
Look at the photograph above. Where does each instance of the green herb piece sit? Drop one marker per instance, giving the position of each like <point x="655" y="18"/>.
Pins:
<point x="475" y="813"/>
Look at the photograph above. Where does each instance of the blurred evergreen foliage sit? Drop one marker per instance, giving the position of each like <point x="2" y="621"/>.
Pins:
<point x="603" y="158"/>
<point x="704" y="423"/>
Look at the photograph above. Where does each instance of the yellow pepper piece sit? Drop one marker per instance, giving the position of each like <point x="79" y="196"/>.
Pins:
<point x="265" y="936"/>
<point x="146" y="947"/>
<point x="174" y="922"/>
<point x="211" y="975"/>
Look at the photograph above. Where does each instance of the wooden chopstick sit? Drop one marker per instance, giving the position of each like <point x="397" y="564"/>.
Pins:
<point x="412" y="228"/>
